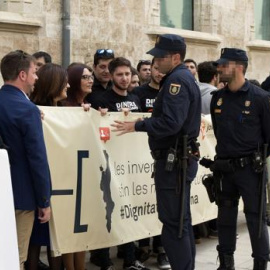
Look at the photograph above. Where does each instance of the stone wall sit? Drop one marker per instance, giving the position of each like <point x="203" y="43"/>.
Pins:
<point x="130" y="27"/>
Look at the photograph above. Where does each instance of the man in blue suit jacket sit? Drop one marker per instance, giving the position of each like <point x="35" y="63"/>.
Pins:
<point x="21" y="130"/>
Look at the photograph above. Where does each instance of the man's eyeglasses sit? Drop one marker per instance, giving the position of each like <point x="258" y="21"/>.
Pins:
<point x="87" y="77"/>
<point x="106" y="52"/>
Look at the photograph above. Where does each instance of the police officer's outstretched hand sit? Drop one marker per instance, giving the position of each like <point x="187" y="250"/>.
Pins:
<point x="124" y="126"/>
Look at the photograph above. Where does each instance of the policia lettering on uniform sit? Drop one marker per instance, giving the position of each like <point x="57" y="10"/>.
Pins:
<point x="240" y="115"/>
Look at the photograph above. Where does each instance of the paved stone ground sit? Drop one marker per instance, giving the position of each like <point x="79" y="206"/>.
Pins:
<point x="206" y="258"/>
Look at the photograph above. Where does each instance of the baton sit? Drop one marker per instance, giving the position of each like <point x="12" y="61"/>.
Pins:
<point x="262" y="187"/>
<point x="183" y="171"/>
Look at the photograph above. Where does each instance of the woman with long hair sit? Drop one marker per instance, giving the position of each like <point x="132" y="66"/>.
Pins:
<point x="80" y="80"/>
<point x="50" y="88"/>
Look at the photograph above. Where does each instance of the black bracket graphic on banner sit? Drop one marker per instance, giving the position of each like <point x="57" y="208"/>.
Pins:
<point x="79" y="228"/>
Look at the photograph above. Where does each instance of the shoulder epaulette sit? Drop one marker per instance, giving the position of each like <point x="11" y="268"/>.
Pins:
<point x="214" y="92"/>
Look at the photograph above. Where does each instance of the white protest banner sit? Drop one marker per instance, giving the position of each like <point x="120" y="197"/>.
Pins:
<point x="103" y="193"/>
<point x="9" y="256"/>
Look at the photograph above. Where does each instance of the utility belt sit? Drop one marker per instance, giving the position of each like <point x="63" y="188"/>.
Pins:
<point x="174" y="157"/>
<point x="159" y="154"/>
<point x="163" y="153"/>
<point x="179" y="154"/>
<point x="213" y="182"/>
<point x="230" y="165"/>
<point x="242" y="162"/>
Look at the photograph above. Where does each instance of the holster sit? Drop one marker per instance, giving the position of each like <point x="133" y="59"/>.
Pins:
<point x="209" y="183"/>
<point x="213" y="183"/>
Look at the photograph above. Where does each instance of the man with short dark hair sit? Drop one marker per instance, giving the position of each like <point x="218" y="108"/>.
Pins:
<point x="42" y="58"/>
<point x="191" y="66"/>
<point x="240" y="116"/>
<point x="21" y="130"/>
<point x="144" y="69"/>
<point x="147" y="92"/>
<point x="102" y="79"/>
<point x="175" y="122"/>
<point x="208" y="82"/>
<point x="135" y="81"/>
<point x="119" y="99"/>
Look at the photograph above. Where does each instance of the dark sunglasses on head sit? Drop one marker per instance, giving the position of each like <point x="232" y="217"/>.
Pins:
<point x="145" y="62"/>
<point x="107" y="52"/>
<point x="22" y="53"/>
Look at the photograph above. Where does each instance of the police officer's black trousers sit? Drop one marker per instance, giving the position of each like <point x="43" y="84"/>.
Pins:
<point x="180" y="251"/>
<point x="246" y="183"/>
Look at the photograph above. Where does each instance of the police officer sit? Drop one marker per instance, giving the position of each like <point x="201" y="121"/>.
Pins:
<point x="177" y="112"/>
<point x="241" y="116"/>
<point x="147" y="94"/>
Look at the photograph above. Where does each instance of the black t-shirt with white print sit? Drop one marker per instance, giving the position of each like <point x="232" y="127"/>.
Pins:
<point x="114" y="102"/>
<point x="147" y="96"/>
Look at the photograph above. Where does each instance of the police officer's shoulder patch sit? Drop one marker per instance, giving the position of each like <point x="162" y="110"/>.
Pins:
<point x="174" y="88"/>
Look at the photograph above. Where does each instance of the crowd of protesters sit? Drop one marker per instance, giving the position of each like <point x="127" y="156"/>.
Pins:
<point x="111" y="80"/>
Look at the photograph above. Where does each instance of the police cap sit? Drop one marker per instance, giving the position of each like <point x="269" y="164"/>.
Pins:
<point x="231" y="54"/>
<point x="167" y="43"/>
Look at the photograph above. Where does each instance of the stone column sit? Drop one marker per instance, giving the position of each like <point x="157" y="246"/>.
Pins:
<point x="152" y="11"/>
<point x="205" y="16"/>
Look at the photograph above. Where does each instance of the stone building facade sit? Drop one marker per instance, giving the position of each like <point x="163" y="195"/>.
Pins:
<point x="130" y="28"/>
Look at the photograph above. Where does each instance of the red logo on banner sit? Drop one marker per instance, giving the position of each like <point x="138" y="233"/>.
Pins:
<point x="104" y="133"/>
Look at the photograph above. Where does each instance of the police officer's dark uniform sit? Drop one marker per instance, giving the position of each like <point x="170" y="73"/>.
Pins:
<point x="241" y="122"/>
<point x="147" y="96"/>
<point x="177" y="111"/>
<point x="266" y="84"/>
